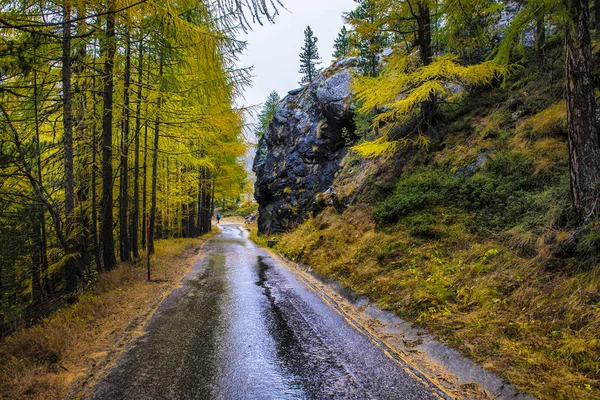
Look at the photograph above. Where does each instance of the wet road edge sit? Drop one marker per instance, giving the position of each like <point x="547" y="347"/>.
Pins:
<point x="84" y="386"/>
<point x="440" y="367"/>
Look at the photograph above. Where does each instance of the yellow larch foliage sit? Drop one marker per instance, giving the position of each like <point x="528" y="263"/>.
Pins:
<point x="404" y="84"/>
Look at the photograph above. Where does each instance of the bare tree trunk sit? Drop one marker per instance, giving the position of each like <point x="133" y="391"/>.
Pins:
<point x="145" y="180"/>
<point x="584" y="146"/>
<point x="145" y="185"/>
<point x="164" y="226"/>
<point x="203" y="201"/>
<point x="155" y="164"/>
<point x="46" y="287"/>
<point x="199" y="203"/>
<point x="597" y="16"/>
<point x="97" y="248"/>
<point x="206" y="201"/>
<point x="212" y="203"/>
<point x="135" y="218"/>
<point x="83" y="193"/>
<point x="540" y="40"/>
<point x="36" y="258"/>
<point x="124" y="202"/>
<point x="429" y="107"/>
<point x="72" y="263"/>
<point x="108" y="241"/>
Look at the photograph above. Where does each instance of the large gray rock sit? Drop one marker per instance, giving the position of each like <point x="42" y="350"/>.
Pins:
<point x="333" y="94"/>
<point x="299" y="155"/>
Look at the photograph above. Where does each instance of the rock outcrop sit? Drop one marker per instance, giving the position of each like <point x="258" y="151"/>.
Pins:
<point x="299" y="155"/>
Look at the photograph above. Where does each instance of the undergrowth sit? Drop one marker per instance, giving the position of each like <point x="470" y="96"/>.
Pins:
<point x="536" y="327"/>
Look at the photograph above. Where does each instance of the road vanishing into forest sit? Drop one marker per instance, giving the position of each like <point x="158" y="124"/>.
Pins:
<point x="245" y="326"/>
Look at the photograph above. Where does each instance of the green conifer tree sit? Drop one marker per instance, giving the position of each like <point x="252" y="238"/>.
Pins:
<point x="266" y="114"/>
<point x="309" y="58"/>
<point x="341" y="45"/>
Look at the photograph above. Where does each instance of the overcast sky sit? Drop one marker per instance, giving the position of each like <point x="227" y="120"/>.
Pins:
<point x="273" y="49"/>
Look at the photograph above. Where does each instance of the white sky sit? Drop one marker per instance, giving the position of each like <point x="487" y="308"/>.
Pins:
<point x="273" y="49"/>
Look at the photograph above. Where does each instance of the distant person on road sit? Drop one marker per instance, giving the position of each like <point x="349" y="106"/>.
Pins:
<point x="218" y="218"/>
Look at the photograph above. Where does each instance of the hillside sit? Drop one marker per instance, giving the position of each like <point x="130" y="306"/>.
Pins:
<point x="471" y="236"/>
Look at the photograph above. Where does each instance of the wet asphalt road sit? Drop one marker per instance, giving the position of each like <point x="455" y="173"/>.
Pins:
<point x="243" y="326"/>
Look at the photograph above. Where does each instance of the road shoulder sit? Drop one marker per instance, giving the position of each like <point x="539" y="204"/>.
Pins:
<point x="169" y="276"/>
<point x="428" y="359"/>
<point x="64" y="356"/>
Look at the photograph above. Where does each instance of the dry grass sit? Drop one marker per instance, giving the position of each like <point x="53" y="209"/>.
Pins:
<point x="537" y="328"/>
<point x="42" y="362"/>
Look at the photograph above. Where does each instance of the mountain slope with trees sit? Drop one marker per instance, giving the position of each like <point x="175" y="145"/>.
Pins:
<point x="467" y="202"/>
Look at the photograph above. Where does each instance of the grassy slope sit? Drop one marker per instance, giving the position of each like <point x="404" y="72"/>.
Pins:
<point x="470" y="257"/>
<point x="41" y="362"/>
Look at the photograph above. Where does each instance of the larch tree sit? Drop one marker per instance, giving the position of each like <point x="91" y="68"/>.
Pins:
<point x="584" y="144"/>
<point x="413" y="80"/>
<point x="81" y="96"/>
<point x="309" y="57"/>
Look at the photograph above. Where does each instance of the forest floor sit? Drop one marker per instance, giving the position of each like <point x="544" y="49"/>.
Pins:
<point x="64" y="355"/>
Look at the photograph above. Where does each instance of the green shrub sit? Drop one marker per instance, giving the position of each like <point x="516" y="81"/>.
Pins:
<point x="505" y="193"/>
<point x="422" y="226"/>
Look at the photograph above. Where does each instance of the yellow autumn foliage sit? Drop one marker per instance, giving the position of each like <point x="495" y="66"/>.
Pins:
<point x="404" y="84"/>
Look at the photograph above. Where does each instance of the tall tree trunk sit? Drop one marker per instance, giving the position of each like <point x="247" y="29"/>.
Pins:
<point x="71" y="264"/>
<point x="597" y="16"/>
<point x="429" y="107"/>
<point x="97" y="248"/>
<point x="204" y="200"/>
<point x="145" y="180"/>
<point x="36" y="258"/>
<point x="167" y="189"/>
<point x="212" y="202"/>
<point x="145" y="187"/>
<point x="124" y="202"/>
<point x="135" y="218"/>
<point x="155" y="162"/>
<point x="46" y="286"/>
<point x="83" y="193"/>
<point x="540" y="40"/>
<point x="200" y="203"/>
<point x="108" y="242"/>
<point x="584" y="146"/>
